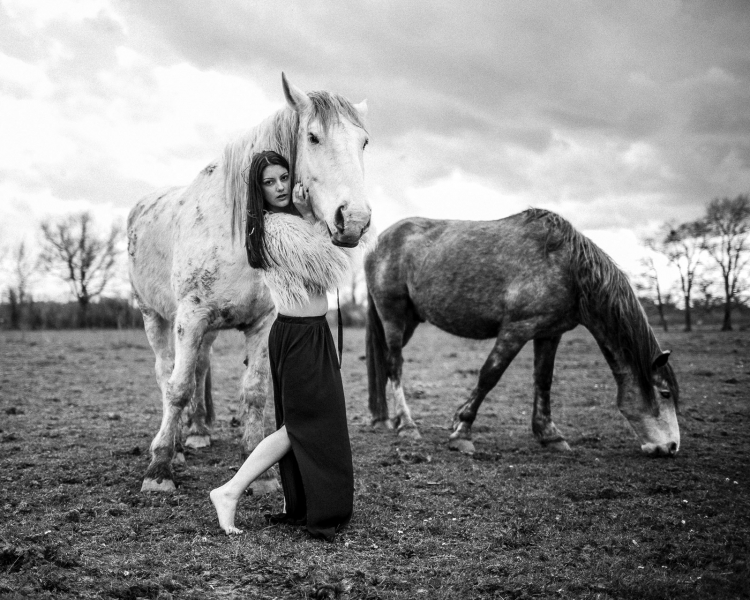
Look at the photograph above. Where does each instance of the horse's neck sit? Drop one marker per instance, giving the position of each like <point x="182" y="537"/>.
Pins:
<point x="629" y="359"/>
<point x="276" y="132"/>
<point x="615" y="355"/>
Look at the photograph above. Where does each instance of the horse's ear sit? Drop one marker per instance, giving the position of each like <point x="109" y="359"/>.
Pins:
<point x="295" y="97"/>
<point x="361" y="108"/>
<point x="661" y="360"/>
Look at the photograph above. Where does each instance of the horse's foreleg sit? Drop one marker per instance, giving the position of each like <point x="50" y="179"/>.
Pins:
<point x="179" y="389"/>
<point x="159" y="334"/>
<point x="541" y="420"/>
<point x="502" y="354"/>
<point x="257" y="400"/>
<point x="198" y="435"/>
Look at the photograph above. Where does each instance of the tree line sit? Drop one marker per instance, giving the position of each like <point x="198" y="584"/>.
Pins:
<point x="710" y="253"/>
<point x="74" y="251"/>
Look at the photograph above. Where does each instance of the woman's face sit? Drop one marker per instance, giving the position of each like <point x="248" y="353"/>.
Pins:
<point x="275" y="184"/>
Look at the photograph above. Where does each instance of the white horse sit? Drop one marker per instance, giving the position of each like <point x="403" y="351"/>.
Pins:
<point x="190" y="274"/>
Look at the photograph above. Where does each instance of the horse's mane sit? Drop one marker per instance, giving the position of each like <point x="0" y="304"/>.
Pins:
<point x="279" y="133"/>
<point x="606" y="296"/>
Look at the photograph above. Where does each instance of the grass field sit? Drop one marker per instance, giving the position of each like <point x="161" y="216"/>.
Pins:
<point x="78" y="411"/>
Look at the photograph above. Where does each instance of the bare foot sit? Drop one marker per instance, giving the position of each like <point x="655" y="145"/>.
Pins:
<point x="225" y="506"/>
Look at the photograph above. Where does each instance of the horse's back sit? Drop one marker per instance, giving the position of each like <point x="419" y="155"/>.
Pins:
<point x="463" y="250"/>
<point x="468" y="277"/>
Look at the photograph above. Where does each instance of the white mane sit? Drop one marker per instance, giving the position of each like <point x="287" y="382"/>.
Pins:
<point x="278" y="133"/>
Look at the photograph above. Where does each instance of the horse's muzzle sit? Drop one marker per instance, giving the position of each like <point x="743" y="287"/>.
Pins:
<point x="346" y="240"/>
<point x="344" y="244"/>
<point x="661" y="450"/>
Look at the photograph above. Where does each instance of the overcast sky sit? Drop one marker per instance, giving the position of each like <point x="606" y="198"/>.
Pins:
<point x="618" y="115"/>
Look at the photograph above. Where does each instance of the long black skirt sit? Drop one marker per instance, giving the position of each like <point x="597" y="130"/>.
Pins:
<point x="316" y="475"/>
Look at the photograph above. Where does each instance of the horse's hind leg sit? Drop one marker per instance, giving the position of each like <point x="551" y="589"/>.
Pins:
<point x="257" y="400"/>
<point x="190" y="327"/>
<point x="541" y="421"/>
<point x="397" y="334"/>
<point x="505" y="350"/>
<point x="201" y="413"/>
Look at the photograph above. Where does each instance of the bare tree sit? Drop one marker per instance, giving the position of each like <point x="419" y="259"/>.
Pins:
<point x="727" y="224"/>
<point x="72" y="251"/>
<point x="706" y="300"/>
<point x="683" y="245"/>
<point x="648" y="282"/>
<point x="21" y="272"/>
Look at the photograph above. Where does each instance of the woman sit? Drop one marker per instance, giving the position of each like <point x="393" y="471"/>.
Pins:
<point x="311" y="443"/>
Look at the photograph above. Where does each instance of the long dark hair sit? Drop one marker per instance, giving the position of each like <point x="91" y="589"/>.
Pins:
<point x="255" y="239"/>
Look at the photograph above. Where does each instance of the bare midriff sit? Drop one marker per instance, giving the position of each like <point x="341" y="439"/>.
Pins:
<point x="317" y="306"/>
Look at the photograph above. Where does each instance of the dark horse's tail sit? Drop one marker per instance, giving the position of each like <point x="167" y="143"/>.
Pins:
<point x="209" y="401"/>
<point x="606" y="299"/>
<point x="377" y="372"/>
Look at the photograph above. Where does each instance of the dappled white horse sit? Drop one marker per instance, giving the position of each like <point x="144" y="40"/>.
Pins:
<point x="189" y="269"/>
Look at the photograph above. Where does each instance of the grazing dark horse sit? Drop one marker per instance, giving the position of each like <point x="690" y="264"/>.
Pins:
<point x="530" y="276"/>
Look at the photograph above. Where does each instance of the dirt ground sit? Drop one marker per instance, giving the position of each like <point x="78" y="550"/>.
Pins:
<point x="79" y="409"/>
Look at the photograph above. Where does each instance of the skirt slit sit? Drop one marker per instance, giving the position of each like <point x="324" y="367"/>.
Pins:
<point x="317" y="474"/>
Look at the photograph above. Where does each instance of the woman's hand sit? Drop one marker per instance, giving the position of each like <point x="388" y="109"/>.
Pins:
<point x="301" y="200"/>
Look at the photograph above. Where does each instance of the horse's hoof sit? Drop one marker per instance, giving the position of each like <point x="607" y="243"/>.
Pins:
<point x="198" y="441"/>
<point x="384" y="424"/>
<point x="179" y="459"/>
<point x="152" y="485"/>
<point x="462" y="445"/>
<point x="264" y="486"/>
<point x="411" y="433"/>
<point x="557" y="446"/>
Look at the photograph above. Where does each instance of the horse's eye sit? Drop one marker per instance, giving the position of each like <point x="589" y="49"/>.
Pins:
<point x="313" y="138"/>
<point x="365" y="144"/>
<point x="665" y="393"/>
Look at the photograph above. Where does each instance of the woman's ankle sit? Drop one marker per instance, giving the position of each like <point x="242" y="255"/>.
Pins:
<point x="229" y="491"/>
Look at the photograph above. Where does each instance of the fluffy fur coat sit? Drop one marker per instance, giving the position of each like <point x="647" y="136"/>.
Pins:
<point x="304" y="261"/>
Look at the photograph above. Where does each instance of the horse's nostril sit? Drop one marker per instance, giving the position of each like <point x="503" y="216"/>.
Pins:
<point x="338" y="219"/>
<point x="672" y="448"/>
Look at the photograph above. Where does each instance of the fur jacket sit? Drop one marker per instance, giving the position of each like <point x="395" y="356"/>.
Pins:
<point x="304" y="261"/>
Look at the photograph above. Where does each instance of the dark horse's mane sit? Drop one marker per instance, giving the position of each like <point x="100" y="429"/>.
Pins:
<point x="606" y="296"/>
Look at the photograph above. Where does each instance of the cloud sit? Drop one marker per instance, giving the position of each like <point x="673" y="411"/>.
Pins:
<point x="566" y="93"/>
<point x="91" y="124"/>
<point x="614" y="114"/>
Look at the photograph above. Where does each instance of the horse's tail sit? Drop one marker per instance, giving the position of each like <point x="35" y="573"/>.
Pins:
<point x="377" y="373"/>
<point x="208" y="399"/>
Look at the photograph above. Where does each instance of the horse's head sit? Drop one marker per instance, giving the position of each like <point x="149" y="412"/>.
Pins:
<point x="654" y="419"/>
<point x="330" y="143"/>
